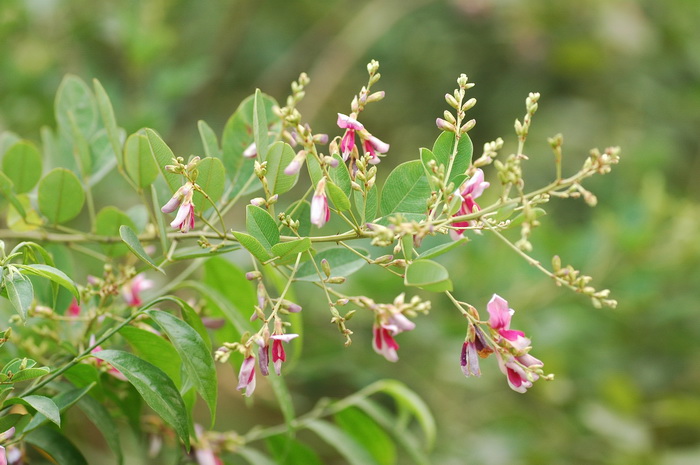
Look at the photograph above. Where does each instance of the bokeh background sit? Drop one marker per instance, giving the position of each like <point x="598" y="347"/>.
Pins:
<point x="611" y="72"/>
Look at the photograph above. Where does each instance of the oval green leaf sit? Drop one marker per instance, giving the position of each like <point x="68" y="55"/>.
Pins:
<point x="278" y="157"/>
<point x="138" y="160"/>
<point x="211" y="179"/>
<point x="22" y="164"/>
<point x="61" y="196"/>
<point x="343" y="262"/>
<point x="163" y="156"/>
<point x="406" y="190"/>
<point x="53" y="274"/>
<point x="428" y="275"/>
<point x="107" y="223"/>
<point x="132" y="241"/>
<point x="20" y="292"/>
<point x="56" y="446"/>
<point x="41" y="404"/>
<point x="342" y="442"/>
<point x="262" y="227"/>
<point x="338" y="197"/>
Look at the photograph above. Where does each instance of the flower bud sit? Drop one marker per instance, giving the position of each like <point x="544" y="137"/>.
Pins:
<point x="326" y="267"/>
<point x="375" y="97"/>
<point x="449" y="117"/>
<point x="444" y="125"/>
<point x="467" y="126"/>
<point x="336" y="280"/>
<point x="258" y="202"/>
<point x="451" y="101"/>
<point x="469" y="104"/>
<point x="253" y="275"/>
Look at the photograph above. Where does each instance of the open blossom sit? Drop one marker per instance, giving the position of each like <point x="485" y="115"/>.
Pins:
<point x="470" y="190"/>
<point x="278" y="353"/>
<point x="373" y="146"/>
<point x="383" y="341"/>
<point x="73" y="311"/>
<point x="347" y="143"/>
<point x="131" y="291"/>
<point x="320" y="213"/>
<point x="474" y="347"/>
<point x="518" y="370"/>
<point x="499" y="319"/>
<point x="246" y="376"/>
<point x="182" y="201"/>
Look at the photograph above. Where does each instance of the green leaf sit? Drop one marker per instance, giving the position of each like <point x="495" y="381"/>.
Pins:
<point x="41" y="404"/>
<point x="61" y="196"/>
<point x="443" y="148"/>
<point x="101" y="418"/>
<point x="252" y="245"/>
<point x="63" y="401"/>
<point x="194" y="353"/>
<point x="9" y="420"/>
<point x="53" y="274"/>
<point x="291" y="248"/>
<point x="341" y="176"/>
<point x="30" y="373"/>
<point x="278" y="157"/>
<point x="409" y="400"/>
<point x="366" y="432"/>
<point x="156" y="388"/>
<point x="254" y="457"/>
<point x="22" y="164"/>
<point x="154" y="349"/>
<point x="108" y="119"/>
<point x="20" y="292"/>
<point x="230" y="281"/>
<point x="75" y="98"/>
<point x="7" y="191"/>
<point x="107" y="223"/>
<point x="7" y="140"/>
<point x="284" y="398"/>
<point x="132" y="241"/>
<point x="314" y="167"/>
<point x="288" y="451"/>
<point x="138" y="160"/>
<point x="83" y="374"/>
<point x="260" y="125"/>
<point x="343" y="443"/>
<point x="163" y="156"/>
<point x="56" y="446"/>
<point x="262" y="227"/>
<point x="81" y="148"/>
<point x="428" y="275"/>
<point x="209" y="140"/>
<point x="343" y="262"/>
<point x="190" y="316"/>
<point x="160" y="220"/>
<point x="442" y="248"/>
<point x="188" y="253"/>
<point x="406" y="190"/>
<point x="368" y="209"/>
<point x="233" y="314"/>
<point x="102" y="155"/>
<point x="211" y="179"/>
<point x="338" y="197"/>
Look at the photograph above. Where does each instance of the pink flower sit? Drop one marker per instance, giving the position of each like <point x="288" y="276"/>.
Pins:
<point x="110" y="369"/>
<point x="383" y="341"/>
<point x="347" y="143"/>
<point x="203" y="453"/>
<point x="278" y="354"/>
<point x="246" y="377"/>
<point x="73" y="311"/>
<point x="184" y="220"/>
<point x="499" y="319"/>
<point x="295" y="165"/>
<point x="518" y="371"/>
<point x="471" y="189"/>
<point x="320" y="213"/>
<point x="373" y="146"/>
<point x="473" y="348"/>
<point x="131" y="291"/>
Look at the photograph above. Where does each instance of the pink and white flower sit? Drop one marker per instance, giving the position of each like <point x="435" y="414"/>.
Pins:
<point x="470" y="190"/>
<point x="131" y="291"/>
<point x="499" y="319"/>
<point x="383" y="341"/>
<point x="519" y="370"/>
<point x="347" y="143"/>
<point x="373" y="146"/>
<point x="278" y="353"/>
<point x="73" y="311"/>
<point x="251" y="151"/>
<point x="246" y="376"/>
<point x="182" y="201"/>
<point x="320" y="212"/>
<point x="472" y="349"/>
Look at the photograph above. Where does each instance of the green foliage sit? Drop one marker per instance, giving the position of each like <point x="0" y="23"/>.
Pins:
<point x="61" y="196"/>
<point x="405" y="190"/>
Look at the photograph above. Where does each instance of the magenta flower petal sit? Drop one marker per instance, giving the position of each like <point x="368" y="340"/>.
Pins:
<point x="246" y="376"/>
<point x="499" y="312"/>
<point x="346" y="122"/>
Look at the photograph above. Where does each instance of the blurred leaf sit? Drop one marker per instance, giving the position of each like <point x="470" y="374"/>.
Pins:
<point x="232" y="312"/>
<point x="292" y="247"/>
<point x="138" y="160"/>
<point x="101" y="418"/>
<point x="31" y="219"/>
<point x="211" y="179"/>
<point x="314" y="167"/>
<point x="366" y="432"/>
<point x="30" y="373"/>
<point x="262" y="227"/>
<point x="342" y="442"/>
<point x="163" y="156"/>
<point x="252" y="245"/>
<point x="7" y="140"/>
<point x="405" y="190"/>
<point x="426" y="156"/>
<point x="155" y="387"/>
<point x="414" y="404"/>
<point x="22" y="164"/>
<point x="260" y="125"/>
<point x="428" y="275"/>
<point x="63" y="401"/>
<point x="341" y="176"/>
<point x="342" y="261"/>
<point x="339" y="199"/>
<point x="20" y="292"/>
<point x="255" y="457"/>
<point x="41" y="404"/>
<point x="7" y="191"/>
<point x="132" y="241"/>
<point x="155" y="350"/>
<point x="54" y="274"/>
<point x="102" y="153"/>
<point x="61" y="196"/>
<point x="194" y="353"/>
<point x="81" y="148"/>
<point x="9" y="420"/>
<point x="75" y="98"/>
<point x="209" y="140"/>
<point x="299" y="211"/>
<point x="284" y="399"/>
<point x="288" y="451"/>
<point x="231" y="282"/>
<point x="82" y="375"/>
<point x="107" y="223"/>
<point x="278" y="157"/>
<point x="108" y="119"/>
<point x="56" y="446"/>
<point x="442" y="248"/>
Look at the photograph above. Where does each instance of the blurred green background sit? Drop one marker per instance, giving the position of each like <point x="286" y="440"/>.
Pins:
<point x="611" y="72"/>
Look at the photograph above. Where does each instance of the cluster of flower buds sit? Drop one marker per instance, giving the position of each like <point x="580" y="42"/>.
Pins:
<point x="452" y="123"/>
<point x="511" y="346"/>
<point x="581" y="283"/>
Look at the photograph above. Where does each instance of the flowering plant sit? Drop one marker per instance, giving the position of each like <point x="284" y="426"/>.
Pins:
<point x="126" y="334"/>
